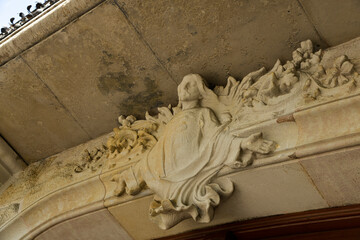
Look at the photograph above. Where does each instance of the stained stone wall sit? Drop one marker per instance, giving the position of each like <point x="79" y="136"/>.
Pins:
<point x="67" y="76"/>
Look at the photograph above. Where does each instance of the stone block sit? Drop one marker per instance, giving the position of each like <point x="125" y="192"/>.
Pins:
<point x="336" y="175"/>
<point x="217" y="38"/>
<point x="32" y="119"/>
<point x="276" y="189"/>
<point x="79" y="195"/>
<point x="96" y="225"/>
<point x="99" y="68"/>
<point x="328" y="121"/>
<point x="55" y="18"/>
<point x="336" y="21"/>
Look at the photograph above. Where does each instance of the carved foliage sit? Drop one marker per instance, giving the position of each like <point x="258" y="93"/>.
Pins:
<point x="284" y="81"/>
<point x="91" y="160"/>
<point x="130" y="140"/>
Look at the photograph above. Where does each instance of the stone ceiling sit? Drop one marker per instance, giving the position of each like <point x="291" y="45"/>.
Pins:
<point x="69" y="80"/>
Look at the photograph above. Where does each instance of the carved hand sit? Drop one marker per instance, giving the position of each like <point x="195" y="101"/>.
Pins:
<point x="256" y="143"/>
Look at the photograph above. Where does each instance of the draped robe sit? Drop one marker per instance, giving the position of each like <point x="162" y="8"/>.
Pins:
<point x="180" y="167"/>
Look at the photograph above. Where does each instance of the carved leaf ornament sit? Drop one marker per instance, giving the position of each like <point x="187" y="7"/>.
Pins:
<point x="179" y="152"/>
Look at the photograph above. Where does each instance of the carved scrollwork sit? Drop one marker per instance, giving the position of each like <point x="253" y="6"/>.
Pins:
<point x="131" y="140"/>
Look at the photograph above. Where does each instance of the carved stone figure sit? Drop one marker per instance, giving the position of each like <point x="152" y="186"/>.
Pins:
<point x="179" y="152"/>
<point x="181" y="166"/>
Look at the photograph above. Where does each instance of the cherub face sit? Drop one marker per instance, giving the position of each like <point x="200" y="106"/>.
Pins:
<point x="188" y="89"/>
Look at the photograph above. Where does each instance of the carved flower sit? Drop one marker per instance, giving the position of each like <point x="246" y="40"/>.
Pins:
<point x="341" y="73"/>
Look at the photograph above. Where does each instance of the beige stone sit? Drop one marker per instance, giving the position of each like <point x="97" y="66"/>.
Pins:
<point x="53" y="20"/>
<point x="198" y="138"/>
<point x="106" y="70"/>
<point x="343" y="24"/>
<point x="229" y="126"/>
<point x="4" y="175"/>
<point x="339" y="118"/>
<point x="92" y="226"/>
<point x="210" y="38"/>
<point x="258" y="192"/>
<point x="7" y="212"/>
<point x="217" y="39"/>
<point x="50" y="175"/>
<point x="181" y="152"/>
<point x="69" y="199"/>
<point x="30" y="114"/>
<point x="336" y="175"/>
<point x="61" y="204"/>
<point x="111" y="198"/>
<point x="63" y="217"/>
<point x="350" y="49"/>
<point x="15" y="230"/>
<point x="182" y="149"/>
<point x="9" y="159"/>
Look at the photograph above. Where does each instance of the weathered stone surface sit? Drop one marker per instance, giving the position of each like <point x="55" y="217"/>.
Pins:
<point x="216" y="133"/>
<point x="52" y="174"/>
<point x="79" y="180"/>
<point x="351" y="49"/>
<point x="4" y="175"/>
<point x="328" y="121"/>
<point x="7" y="212"/>
<point x="30" y="115"/>
<point x="51" y="21"/>
<point x="74" y="197"/>
<point x="15" y="230"/>
<point x="218" y="38"/>
<point x="82" y="197"/>
<point x="98" y="68"/>
<point x="336" y="175"/>
<point x="49" y="179"/>
<point x="259" y="192"/>
<point x="183" y="148"/>
<point x="94" y="226"/>
<point x="110" y="61"/>
<point x="336" y="21"/>
<point x="9" y="159"/>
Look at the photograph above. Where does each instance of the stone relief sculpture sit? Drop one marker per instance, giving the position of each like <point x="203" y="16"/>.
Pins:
<point x="179" y="152"/>
<point x="181" y="165"/>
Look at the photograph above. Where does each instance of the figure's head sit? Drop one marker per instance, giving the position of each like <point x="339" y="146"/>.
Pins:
<point x="191" y="88"/>
<point x="193" y="92"/>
